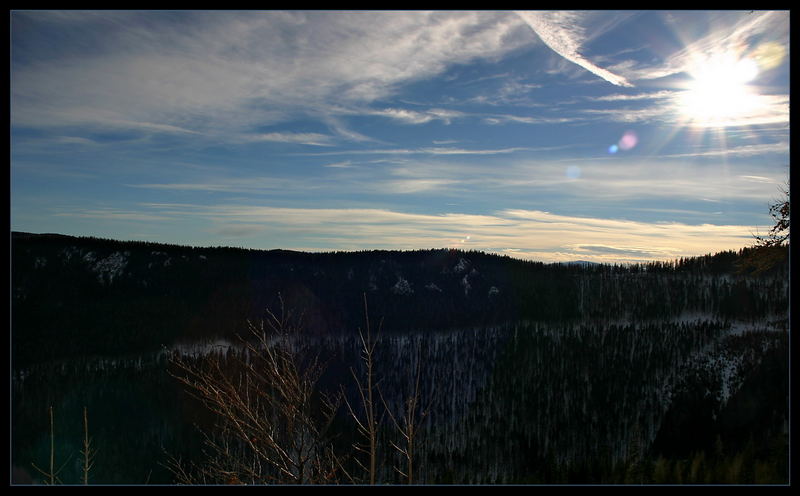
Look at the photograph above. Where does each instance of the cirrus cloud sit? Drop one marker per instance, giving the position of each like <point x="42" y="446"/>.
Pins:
<point x="529" y="234"/>
<point x="219" y="73"/>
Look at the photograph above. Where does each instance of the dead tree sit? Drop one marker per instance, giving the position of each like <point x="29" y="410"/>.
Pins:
<point x="408" y="425"/>
<point x="273" y="424"/>
<point x="367" y="425"/>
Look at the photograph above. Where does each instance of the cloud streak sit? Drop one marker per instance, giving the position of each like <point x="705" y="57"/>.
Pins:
<point x="314" y="139"/>
<point x="407" y="116"/>
<point x="740" y="151"/>
<point x="432" y="150"/>
<point x="516" y="174"/>
<point x="561" y="32"/>
<point x="522" y="233"/>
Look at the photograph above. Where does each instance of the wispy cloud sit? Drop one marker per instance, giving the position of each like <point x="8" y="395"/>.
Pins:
<point x="448" y="116"/>
<point x="597" y="180"/>
<point x="741" y="151"/>
<point x="407" y="186"/>
<point x="433" y="150"/>
<point x="620" y="97"/>
<point x="345" y="164"/>
<point x="173" y="73"/>
<point x="584" y="179"/>
<point x="729" y="32"/>
<point x="257" y="185"/>
<point x="408" y="116"/>
<point x="561" y="31"/>
<point x="114" y="214"/>
<point x="669" y="109"/>
<point x="238" y="230"/>
<point x="331" y="118"/>
<point x="464" y="151"/>
<point x="314" y="139"/>
<point x="654" y="114"/>
<point x="627" y="251"/>
<point x="523" y="233"/>
<point x="758" y="179"/>
<point x="516" y="119"/>
<point x="74" y="140"/>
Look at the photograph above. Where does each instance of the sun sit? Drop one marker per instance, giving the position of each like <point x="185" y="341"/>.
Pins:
<point x="720" y="92"/>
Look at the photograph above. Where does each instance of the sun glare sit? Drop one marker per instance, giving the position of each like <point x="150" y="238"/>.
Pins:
<point x="720" y="92"/>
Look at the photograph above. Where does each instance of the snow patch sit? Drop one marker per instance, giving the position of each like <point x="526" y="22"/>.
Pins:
<point x="466" y="284"/>
<point x="202" y="348"/>
<point x="737" y="328"/>
<point x="109" y="268"/>
<point x="728" y="374"/>
<point x="69" y="252"/>
<point x="402" y="287"/>
<point x="433" y="287"/>
<point x="461" y="266"/>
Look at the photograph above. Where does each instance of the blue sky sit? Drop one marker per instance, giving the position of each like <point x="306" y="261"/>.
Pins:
<point x="594" y="135"/>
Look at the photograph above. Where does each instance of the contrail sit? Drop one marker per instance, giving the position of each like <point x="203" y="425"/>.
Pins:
<point x="558" y="31"/>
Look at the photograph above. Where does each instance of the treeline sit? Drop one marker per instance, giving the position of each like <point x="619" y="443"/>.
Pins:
<point x="74" y="296"/>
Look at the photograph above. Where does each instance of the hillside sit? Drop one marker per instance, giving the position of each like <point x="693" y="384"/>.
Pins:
<point x="82" y="296"/>
<point x="531" y="373"/>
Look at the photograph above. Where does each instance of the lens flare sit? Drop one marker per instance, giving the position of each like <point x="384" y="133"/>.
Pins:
<point x="625" y="143"/>
<point x="769" y="55"/>
<point x="628" y="140"/>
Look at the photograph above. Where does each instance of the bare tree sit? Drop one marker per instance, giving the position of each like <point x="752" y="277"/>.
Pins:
<point x="51" y="475"/>
<point x="273" y="422"/>
<point x="87" y="452"/>
<point x="408" y="426"/>
<point x="368" y="424"/>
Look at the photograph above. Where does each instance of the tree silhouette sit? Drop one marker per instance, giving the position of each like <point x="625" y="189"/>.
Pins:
<point x="273" y="422"/>
<point x="779" y="234"/>
<point x="770" y="250"/>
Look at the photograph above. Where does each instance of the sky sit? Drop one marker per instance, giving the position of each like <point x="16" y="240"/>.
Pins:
<point x="607" y="136"/>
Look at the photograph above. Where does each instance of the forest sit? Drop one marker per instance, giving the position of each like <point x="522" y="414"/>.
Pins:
<point x="526" y="373"/>
<point x="83" y="296"/>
